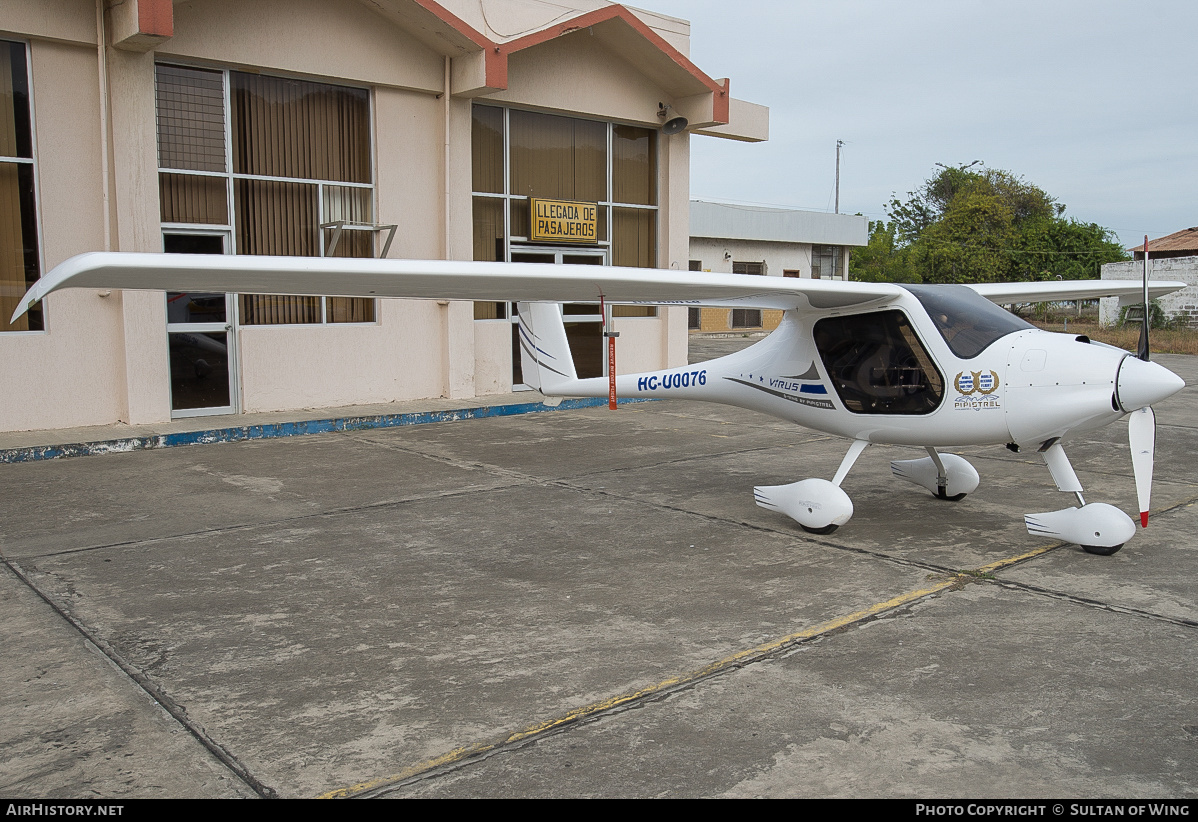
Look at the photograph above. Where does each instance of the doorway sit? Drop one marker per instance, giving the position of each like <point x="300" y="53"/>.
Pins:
<point x="584" y="322"/>
<point x="200" y="338"/>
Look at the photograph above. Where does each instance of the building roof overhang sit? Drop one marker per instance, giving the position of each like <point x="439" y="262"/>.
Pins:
<point x="728" y="221"/>
<point x="479" y="64"/>
<point x="1179" y="243"/>
<point x="702" y="100"/>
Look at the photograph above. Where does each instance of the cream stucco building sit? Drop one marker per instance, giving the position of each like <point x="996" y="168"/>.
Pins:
<point x="409" y="128"/>
<point x="729" y="238"/>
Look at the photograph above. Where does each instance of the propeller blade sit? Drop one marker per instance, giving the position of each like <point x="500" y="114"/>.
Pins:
<point x="1141" y="435"/>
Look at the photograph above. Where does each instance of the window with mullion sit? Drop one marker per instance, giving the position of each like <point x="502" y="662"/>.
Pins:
<point x="517" y="155"/>
<point x="300" y="156"/>
<point x="19" y="263"/>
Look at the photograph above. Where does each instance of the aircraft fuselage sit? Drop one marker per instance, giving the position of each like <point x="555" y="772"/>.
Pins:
<point x="892" y="376"/>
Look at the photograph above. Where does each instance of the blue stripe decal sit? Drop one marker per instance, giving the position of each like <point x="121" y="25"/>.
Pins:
<point x="812" y="389"/>
<point x="291" y="429"/>
<point x="532" y="342"/>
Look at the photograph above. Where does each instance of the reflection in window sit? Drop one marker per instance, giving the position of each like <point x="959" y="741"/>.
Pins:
<point x="878" y="365"/>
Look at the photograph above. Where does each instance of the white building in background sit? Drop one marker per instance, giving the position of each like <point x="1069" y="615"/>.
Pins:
<point x="773" y="242"/>
<point x="1173" y="257"/>
<point x="406" y="128"/>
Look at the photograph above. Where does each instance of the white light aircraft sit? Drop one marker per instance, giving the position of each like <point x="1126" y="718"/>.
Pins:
<point x="936" y="367"/>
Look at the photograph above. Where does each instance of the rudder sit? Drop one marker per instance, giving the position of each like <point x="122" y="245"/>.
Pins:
<point x="545" y="358"/>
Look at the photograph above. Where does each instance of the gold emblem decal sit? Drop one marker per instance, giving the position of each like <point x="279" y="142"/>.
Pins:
<point x="979" y="382"/>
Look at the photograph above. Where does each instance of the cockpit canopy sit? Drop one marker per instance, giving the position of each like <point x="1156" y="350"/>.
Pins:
<point x="968" y="321"/>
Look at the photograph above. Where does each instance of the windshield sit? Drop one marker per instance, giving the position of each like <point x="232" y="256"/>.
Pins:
<point x="967" y="320"/>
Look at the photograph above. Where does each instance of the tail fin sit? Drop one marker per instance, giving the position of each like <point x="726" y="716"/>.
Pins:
<point x="545" y="357"/>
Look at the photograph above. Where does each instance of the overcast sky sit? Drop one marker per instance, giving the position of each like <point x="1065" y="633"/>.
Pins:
<point x="1095" y="101"/>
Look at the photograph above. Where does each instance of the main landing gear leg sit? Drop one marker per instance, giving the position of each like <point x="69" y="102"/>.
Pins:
<point x="816" y="504"/>
<point x="1098" y="528"/>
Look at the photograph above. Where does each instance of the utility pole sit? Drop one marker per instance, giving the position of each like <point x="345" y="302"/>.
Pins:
<point x="839" y="143"/>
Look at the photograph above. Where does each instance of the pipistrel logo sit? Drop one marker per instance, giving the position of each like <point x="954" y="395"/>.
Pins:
<point x="976" y="390"/>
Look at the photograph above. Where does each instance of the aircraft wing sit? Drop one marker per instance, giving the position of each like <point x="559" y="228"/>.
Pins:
<point x="446" y="280"/>
<point x="501" y="282"/>
<point x="1128" y="291"/>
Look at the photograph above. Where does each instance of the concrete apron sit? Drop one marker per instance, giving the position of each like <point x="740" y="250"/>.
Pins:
<point x="473" y="608"/>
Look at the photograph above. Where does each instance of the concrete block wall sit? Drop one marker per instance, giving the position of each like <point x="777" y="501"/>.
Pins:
<point x="1179" y="303"/>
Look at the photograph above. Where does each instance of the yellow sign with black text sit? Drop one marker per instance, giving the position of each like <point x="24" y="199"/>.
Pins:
<point x="564" y="221"/>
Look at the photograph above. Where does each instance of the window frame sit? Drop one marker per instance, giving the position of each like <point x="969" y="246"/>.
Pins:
<point x="897" y="398"/>
<point x="608" y="206"/>
<point x="750" y="319"/>
<point x="231" y="177"/>
<point x="32" y="162"/>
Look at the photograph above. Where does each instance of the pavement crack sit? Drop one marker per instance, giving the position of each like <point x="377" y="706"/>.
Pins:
<point x="246" y="526"/>
<point x="772" y="649"/>
<point x="147" y="686"/>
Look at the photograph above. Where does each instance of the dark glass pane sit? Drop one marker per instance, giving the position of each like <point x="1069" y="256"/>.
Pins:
<point x="190" y="307"/>
<point x="486" y="150"/>
<point x="634" y="165"/>
<point x="19" y="267"/>
<point x="586" y="347"/>
<point x="580" y="309"/>
<point x="186" y="198"/>
<point x="746" y="318"/>
<point x="193" y="244"/>
<point x="191" y="118"/>
<point x="557" y="157"/>
<point x="488" y="229"/>
<point x="517" y="365"/>
<point x="634" y="240"/>
<point x="294" y="128"/>
<point x="199" y="369"/>
<point x="16" y="139"/>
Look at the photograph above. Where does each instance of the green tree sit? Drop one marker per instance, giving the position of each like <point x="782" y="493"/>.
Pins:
<point x="1068" y="249"/>
<point x="882" y="260"/>
<point x="988" y="226"/>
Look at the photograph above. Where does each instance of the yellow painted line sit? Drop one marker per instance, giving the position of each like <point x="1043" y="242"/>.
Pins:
<point x="739" y="658"/>
<point x="1003" y="563"/>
